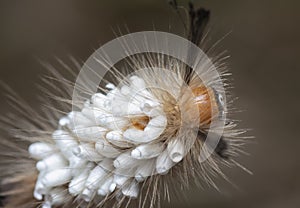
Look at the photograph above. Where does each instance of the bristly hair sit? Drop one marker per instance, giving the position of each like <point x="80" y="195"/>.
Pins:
<point x="198" y="20"/>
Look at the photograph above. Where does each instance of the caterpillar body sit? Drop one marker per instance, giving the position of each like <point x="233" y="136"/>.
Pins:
<point x="159" y="119"/>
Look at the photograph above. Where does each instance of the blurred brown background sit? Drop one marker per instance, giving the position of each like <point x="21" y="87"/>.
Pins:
<point x="264" y="46"/>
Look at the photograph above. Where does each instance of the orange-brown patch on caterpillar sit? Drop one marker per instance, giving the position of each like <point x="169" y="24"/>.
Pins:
<point x="140" y="122"/>
<point x="206" y="102"/>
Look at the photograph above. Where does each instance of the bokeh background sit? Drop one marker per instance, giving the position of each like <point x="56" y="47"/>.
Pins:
<point x="264" y="44"/>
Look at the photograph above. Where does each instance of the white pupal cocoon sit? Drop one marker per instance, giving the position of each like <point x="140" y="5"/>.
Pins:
<point x="41" y="150"/>
<point x="88" y="134"/>
<point x="131" y="190"/>
<point x="164" y="163"/>
<point x="105" y="187"/>
<point x="77" y="184"/>
<point x="106" y="149"/>
<point x="176" y="150"/>
<point x="54" y="161"/>
<point x="113" y="144"/>
<point x="145" y="170"/>
<point x="56" y="197"/>
<point x="88" y="152"/>
<point x="57" y="177"/>
<point x="146" y="151"/>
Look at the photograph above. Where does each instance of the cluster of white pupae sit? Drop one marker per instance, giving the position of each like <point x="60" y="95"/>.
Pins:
<point x="97" y="151"/>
